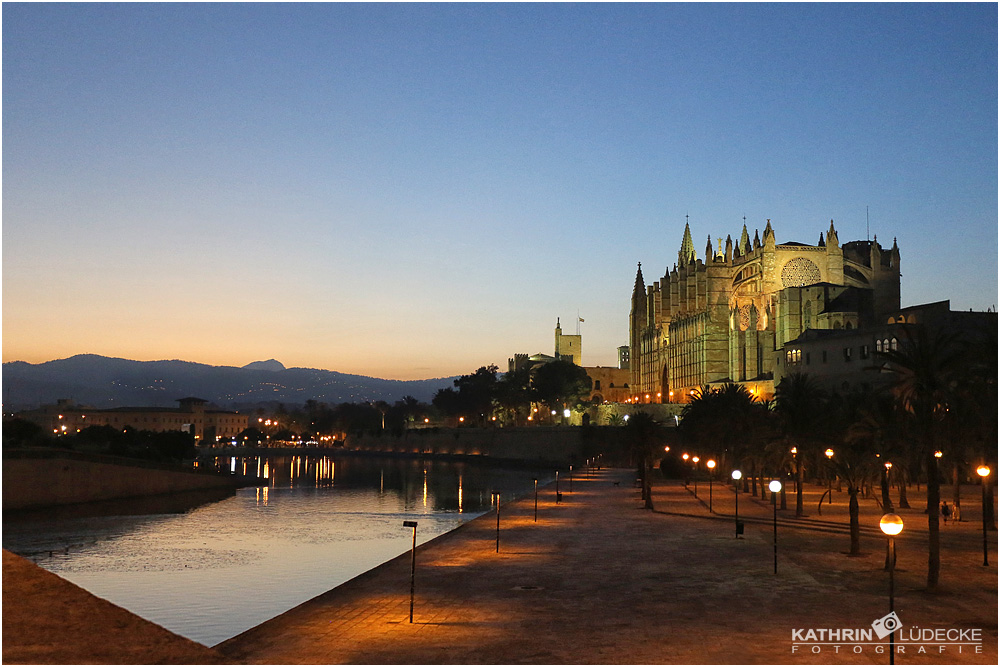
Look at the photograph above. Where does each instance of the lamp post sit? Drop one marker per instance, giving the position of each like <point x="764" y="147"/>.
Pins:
<point x="413" y="562"/>
<point x="558" y="495"/>
<point x="984" y="472"/>
<point x="694" y="460"/>
<point x="536" y="500"/>
<point x="685" y="457"/>
<point x="737" y="475"/>
<point x="891" y="525"/>
<point x="775" y="487"/>
<point x="711" y="468"/>
<point x="829" y="479"/>
<point x="498" y="523"/>
<point x="571" y="479"/>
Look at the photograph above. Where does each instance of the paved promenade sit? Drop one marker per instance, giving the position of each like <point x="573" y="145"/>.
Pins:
<point x="597" y="579"/>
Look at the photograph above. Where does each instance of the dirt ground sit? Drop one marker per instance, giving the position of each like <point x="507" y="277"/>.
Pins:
<point x="595" y="580"/>
<point x="48" y="620"/>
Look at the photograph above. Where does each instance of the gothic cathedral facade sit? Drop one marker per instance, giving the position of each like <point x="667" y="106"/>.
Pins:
<point x="727" y="317"/>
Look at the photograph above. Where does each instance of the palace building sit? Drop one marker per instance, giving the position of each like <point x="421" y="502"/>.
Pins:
<point x="725" y="318"/>
<point x="193" y="416"/>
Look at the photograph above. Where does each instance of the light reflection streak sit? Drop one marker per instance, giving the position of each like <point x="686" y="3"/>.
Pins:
<point x="460" y="493"/>
<point x="425" y="487"/>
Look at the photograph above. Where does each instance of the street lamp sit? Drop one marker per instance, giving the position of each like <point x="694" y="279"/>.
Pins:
<point x="498" y="523"/>
<point x="413" y="562"/>
<point x="536" y="500"/>
<point x="711" y="468"/>
<point x="891" y="525"/>
<point x="775" y="487"/>
<point x="829" y="478"/>
<point x="694" y="460"/>
<point x="737" y="475"/>
<point x="984" y="472"/>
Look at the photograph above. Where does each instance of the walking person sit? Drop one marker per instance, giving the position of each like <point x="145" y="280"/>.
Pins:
<point x="945" y="512"/>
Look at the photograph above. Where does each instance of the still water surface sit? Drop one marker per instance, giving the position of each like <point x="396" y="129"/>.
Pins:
<point x="214" y="571"/>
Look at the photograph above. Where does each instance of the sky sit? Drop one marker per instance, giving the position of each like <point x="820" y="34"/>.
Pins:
<point x="413" y="191"/>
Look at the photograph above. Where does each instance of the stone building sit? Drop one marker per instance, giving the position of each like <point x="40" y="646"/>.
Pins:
<point x="843" y="360"/>
<point x="722" y="318"/>
<point x="608" y="384"/>
<point x="191" y="416"/>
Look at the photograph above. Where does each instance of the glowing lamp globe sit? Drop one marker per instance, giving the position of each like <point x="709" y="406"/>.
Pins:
<point x="710" y="464"/>
<point x="891" y="524"/>
<point x="737" y="474"/>
<point x="774" y="486"/>
<point x="983" y="471"/>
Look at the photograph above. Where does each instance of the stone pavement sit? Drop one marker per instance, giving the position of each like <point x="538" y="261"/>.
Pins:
<point x="599" y="580"/>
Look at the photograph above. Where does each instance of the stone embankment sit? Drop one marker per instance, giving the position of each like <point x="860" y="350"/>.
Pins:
<point x="46" y="478"/>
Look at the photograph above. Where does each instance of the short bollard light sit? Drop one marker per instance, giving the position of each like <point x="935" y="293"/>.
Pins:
<point x="737" y="476"/>
<point x="984" y="472"/>
<point x="891" y="525"/>
<point x="775" y="487"/>
<point x="413" y="562"/>
<point x="536" y="500"/>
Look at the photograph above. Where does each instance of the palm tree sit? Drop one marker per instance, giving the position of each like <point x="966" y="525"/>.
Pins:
<point x="927" y="367"/>
<point x="645" y="436"/>
<point x="800" y="404"/>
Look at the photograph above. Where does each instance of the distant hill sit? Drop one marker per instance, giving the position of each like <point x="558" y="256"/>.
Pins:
<point x="104" y="382"/>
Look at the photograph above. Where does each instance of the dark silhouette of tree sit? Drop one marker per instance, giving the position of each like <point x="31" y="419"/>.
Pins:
<point x="728" y="422"/>
<point x="645" y="440"/>
<point x="800" y="406"/>
<point x="561" y="384"/>
<point x="927" y="366"/>
<point x="23" y="433"/>
<point x="854" y="458"/>
<point x="513" y="394"/>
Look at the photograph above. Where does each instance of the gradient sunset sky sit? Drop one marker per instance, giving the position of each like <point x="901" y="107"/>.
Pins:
<point x="413" y="191"/>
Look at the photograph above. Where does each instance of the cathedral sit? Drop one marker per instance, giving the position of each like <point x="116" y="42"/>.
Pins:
<point x="727" y="317"/>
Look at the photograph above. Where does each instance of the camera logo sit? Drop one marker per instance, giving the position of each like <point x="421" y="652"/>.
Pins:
<point x="886" y="625"/>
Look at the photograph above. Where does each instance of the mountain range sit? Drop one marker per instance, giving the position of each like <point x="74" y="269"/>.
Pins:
<point x="106" y="382"/>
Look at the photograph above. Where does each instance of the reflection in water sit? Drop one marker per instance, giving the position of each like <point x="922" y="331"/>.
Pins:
<point x="223" y="567"/>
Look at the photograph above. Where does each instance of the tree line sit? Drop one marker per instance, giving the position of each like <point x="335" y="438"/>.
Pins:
<point x="933" y="422"/>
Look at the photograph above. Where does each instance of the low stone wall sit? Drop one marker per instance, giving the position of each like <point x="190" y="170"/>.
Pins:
<point x="30" y="483"/>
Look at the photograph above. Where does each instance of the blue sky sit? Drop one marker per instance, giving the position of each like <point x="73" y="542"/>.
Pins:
<point x="414" y="191"/>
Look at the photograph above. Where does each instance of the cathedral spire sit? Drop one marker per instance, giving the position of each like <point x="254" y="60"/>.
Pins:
<point x="640" y="284"/>
<point x="686" y="253"/>
<point x="744" y="244"/>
